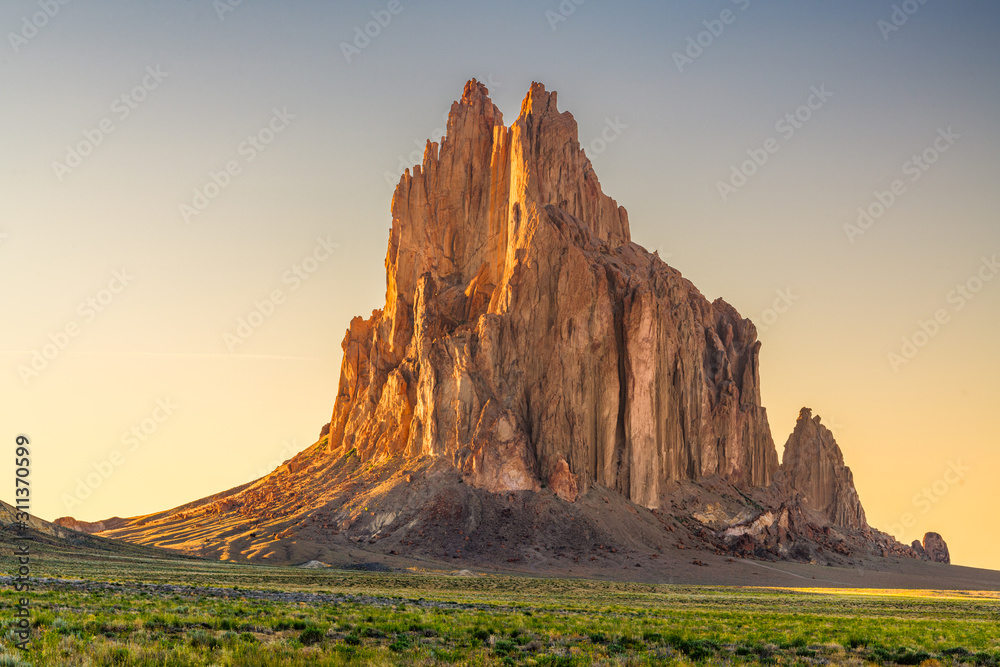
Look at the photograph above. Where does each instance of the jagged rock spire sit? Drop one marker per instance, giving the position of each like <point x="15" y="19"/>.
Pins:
<point x="527" y="340"/>
<point x="813" y="465"/>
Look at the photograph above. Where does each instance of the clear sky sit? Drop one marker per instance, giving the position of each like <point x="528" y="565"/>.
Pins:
<point x="116" y="116"/>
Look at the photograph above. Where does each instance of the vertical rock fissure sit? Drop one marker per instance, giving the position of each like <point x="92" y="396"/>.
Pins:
<point x="620" y="442"/>
<point x="510" y="227"/>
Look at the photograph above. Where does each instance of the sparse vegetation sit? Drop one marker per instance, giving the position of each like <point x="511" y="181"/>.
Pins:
<point x="161" y="612"/>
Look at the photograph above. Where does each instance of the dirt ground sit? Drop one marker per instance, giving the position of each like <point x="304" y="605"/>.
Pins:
<point x="401" y="515"/>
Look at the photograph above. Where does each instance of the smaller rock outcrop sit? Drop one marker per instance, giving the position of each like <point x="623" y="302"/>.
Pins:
<point x="813" y="467"/>
<point x="935" y="548"/>
<point x="89" y="526"/>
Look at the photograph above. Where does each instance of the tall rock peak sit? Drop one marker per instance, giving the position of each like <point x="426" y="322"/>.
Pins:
<point x="476" y="100"/>
<point x="538" y="100"/>
<point x="526" y="344"/>
<point x="813" y="466"/>
<point x="473" y="91"/>
<point x="529" y="343"/>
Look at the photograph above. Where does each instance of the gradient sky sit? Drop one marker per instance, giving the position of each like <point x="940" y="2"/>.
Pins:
<point x="779" y="238"/>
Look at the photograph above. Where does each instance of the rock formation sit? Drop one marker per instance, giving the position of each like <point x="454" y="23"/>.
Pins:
<point x="532" y="383"/>
<point x="89" y="526"/>
<point x="936" y="549"/>
<point x="528" y="341"/>
<point x="813" y="466"/>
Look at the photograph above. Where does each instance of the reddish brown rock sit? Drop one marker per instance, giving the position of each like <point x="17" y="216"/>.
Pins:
<point x="89" y="526"/>
<point x="563" y="482"/>
<point x="526" y="340"/>
<point x="813" y="466"/>
<point x="936" y="548"/>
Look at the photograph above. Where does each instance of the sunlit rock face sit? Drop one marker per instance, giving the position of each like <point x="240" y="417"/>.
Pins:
<point x="527" y="340"/>
<point x="527" y="353"/>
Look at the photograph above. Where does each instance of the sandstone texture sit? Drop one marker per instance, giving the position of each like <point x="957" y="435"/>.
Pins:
<point x="936" y="549"/>
<point x="539" y="394"/>
<point x="527" y="340"/>
<point x="813" y="467"/>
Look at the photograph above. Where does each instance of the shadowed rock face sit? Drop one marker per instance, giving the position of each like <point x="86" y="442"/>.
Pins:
<point x="813" y="466"/>
<point x="527" y="344"/>
<point x="527" y="340"/>
<point x="936" y="549"/>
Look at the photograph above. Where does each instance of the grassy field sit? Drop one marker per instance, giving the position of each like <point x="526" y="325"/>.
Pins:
<point x="126" y="611"/>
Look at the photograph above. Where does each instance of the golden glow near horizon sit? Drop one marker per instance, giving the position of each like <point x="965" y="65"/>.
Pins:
<point x="179" y="277"/>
